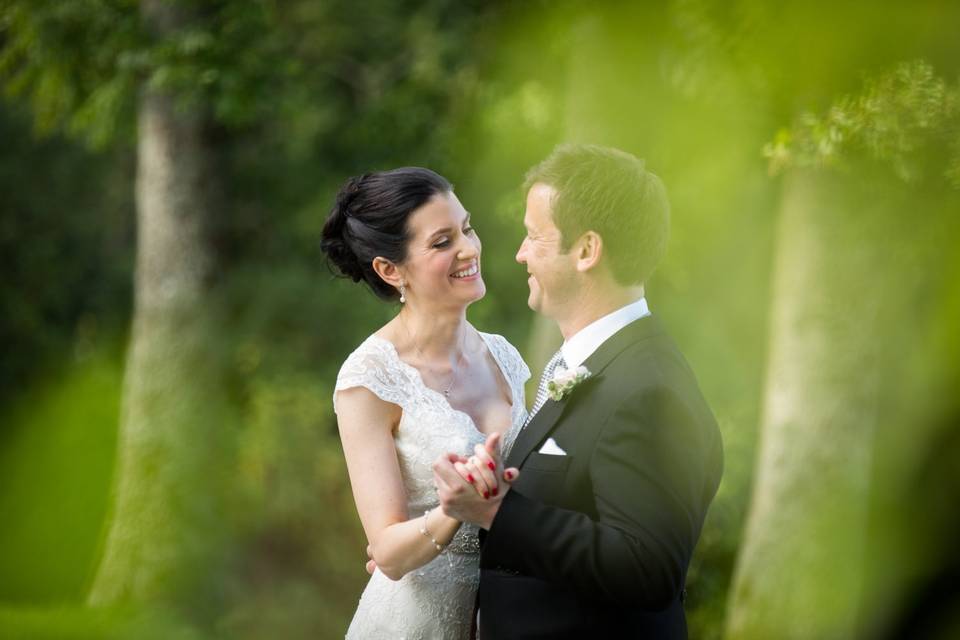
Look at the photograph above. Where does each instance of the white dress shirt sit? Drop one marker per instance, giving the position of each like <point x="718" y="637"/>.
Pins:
<point x="584" y="342"/>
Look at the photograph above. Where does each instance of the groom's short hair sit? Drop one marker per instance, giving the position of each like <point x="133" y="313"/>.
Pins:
<point x="610" y="192"/>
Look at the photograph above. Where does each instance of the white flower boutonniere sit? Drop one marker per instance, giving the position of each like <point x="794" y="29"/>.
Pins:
<point x="564" y="380"/>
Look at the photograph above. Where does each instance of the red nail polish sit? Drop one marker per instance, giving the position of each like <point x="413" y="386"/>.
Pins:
<point x="470" y="478"/>
<point x="491" y="465"/>
<point x="509" y="475"/>
<point x="495" y="491"/>
<point x="486" y="495"/>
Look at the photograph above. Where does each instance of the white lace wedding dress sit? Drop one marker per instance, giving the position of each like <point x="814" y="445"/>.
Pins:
<point x="434" y="602"/>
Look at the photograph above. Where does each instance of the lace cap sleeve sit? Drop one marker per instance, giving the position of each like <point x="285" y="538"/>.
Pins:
<point x="374" y="365"/>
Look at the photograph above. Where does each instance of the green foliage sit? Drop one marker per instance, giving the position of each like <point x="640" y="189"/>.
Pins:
<point x="80" y="63"/>
<point x="54" y="500"/>
<point x="300" y="564"/>
<point x="72" y="622"/>
<point x="72" y="61"/>
<point x="66" y="229"/>
<point x="904" y="119"/>
<point x="230" y="57"/>
<point x="61" y="623"/>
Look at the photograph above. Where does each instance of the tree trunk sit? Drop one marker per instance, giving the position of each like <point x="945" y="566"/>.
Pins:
<point x="801" y="564"/>
<point x="174" y="449"/>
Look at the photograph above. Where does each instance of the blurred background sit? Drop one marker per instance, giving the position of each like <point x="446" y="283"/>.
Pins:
<point x="169" y="462"/>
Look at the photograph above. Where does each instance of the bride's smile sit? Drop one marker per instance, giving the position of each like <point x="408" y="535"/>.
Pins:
<point x="472" y="272"/>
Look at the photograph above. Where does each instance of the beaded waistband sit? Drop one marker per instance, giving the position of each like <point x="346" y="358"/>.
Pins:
<point x="465" y="543"/>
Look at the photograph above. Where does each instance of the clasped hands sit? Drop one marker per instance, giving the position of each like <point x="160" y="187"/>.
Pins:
<point x="469" y="488"/>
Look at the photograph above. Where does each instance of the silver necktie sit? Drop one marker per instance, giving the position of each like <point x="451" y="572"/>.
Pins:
<point x="555" y="361"/>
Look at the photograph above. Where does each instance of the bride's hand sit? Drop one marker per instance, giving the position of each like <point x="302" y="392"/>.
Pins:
<point x="483" y="468"/>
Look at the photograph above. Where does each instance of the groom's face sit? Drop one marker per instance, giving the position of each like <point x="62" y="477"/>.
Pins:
<point x="553" y="275"/>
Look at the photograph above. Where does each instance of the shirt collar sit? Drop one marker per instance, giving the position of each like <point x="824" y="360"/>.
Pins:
<point x="584" y="342"/>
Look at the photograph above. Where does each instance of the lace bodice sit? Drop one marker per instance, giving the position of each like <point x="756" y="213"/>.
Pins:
<point x="435" y="601"/>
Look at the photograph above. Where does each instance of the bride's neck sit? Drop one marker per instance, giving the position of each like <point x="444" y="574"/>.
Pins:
<point x="434" y="336"/>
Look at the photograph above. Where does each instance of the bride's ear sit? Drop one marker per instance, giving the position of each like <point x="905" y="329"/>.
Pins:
<point x="388" y="271"/>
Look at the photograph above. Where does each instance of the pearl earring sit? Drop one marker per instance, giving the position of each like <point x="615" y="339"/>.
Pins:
<point x="403" y="291"/>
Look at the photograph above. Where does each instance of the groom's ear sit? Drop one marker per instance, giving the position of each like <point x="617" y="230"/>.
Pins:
<point x="589" y="249"/>
<point x="387" y="271"/>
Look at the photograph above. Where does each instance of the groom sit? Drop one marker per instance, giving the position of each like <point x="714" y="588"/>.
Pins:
<point x="619" y="464"/>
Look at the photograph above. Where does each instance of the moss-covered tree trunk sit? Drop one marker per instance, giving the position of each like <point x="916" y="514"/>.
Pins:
<point x="168" y="505"/>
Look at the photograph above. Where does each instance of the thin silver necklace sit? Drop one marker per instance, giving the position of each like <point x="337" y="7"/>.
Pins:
<point x="454" y="369"/>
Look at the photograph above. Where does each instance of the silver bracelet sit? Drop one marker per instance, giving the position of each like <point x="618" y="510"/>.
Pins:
<point x="427" y="533"/>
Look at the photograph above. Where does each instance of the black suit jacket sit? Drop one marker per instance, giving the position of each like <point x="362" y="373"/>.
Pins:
<point x="597" y="542"/>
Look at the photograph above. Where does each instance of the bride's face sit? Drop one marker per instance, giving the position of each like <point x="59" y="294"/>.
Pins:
<point x="442" y="268"/>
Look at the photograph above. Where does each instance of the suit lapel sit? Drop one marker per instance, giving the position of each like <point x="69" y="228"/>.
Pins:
<point x="641" y="329"/>
<point x="551" y="412"/>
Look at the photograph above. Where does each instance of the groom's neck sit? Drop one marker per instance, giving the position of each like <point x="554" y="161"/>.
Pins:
<point x="593" y="303"/>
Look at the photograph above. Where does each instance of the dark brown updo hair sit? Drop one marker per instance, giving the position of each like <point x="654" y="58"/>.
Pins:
<point x="369" y="219"/>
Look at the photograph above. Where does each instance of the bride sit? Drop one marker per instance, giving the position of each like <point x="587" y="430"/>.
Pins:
<point x="424" y="384"/>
